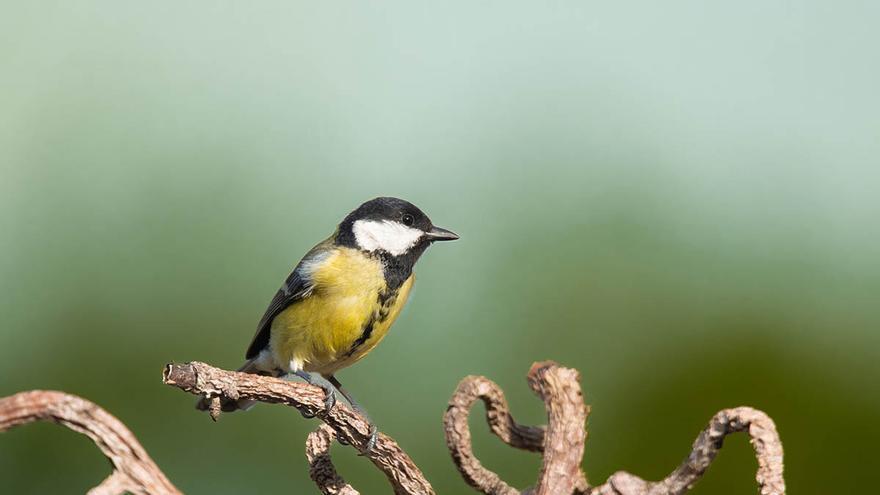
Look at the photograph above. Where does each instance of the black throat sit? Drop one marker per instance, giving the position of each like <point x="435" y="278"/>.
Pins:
<point x="399" y="268"/>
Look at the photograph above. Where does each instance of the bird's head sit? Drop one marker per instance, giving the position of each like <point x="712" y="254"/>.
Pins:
<point x="390" y="226"/>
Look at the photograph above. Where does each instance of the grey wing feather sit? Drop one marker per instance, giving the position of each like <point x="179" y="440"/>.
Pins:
<point x="296" y="287"/>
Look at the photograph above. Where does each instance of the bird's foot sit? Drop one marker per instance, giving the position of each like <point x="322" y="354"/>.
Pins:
<point x="374" y="430"/>
<point x="371" y="443"/>
<point x="329" y="394"/>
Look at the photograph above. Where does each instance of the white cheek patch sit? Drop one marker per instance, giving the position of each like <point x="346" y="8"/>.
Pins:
<point x="393" y="237"/>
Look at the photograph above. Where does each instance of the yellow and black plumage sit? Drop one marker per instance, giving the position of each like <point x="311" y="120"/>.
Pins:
<point x="343" y="296"/>
<point x="349" y="309"/>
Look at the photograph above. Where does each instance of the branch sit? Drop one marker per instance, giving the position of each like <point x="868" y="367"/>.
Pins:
<point x="562" y="441"/>
<point x="764" y="438"/>
<point x="566" y="431"/>
<point x="321" y="468"/>
<point x="352" y="428"/>
<point x="134" y="471"/>
<point x="560" y="390"/>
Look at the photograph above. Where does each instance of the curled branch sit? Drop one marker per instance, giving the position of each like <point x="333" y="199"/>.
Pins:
<point x="501" y="423"/>
<point x="321" y="468"/>
<point x="763" y="436"/>
<point x="562" y="441"/>
<point x="566" y="428"/>
<point x="134" y="471"/>
<point x="349" y="426"/>
<point x="560" y="389"/>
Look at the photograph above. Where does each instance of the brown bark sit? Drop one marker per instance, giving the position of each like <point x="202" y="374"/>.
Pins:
<point x="134" y="471"/>
<point x="202" y="379"/>
<point x="561" y="442"/>
<point x="764" y="439"/>
<point x="321" y="468"/>
<point x="566" y="433"/>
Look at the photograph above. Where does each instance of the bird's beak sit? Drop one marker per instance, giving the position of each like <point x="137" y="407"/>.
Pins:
<point x="438" y="234"/>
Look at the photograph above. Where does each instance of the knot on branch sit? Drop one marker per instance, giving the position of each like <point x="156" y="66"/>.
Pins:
<point x="199" y="378"/>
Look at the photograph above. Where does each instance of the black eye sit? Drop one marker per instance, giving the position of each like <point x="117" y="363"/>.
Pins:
<point x="408" y="220"/>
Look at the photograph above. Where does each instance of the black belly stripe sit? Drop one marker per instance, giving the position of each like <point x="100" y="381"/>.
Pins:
<point x="368" y="330"/>
<point x="386" y="299"/>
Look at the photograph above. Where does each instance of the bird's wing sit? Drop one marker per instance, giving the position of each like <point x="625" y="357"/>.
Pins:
<point x="298" y="286"/>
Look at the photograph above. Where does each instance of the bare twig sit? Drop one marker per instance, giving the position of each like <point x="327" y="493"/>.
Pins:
<point x="202" y="379"/>
<point x="562" y="441"/>
<point x="321" y="468"/>
<point x="501" y="423"/>
<point x="566" y="431"/>
<point x="112" y="485"/>
<point x="134" y="471"/>
<point x="764" y="439"/>
<point x="567" y="414"/>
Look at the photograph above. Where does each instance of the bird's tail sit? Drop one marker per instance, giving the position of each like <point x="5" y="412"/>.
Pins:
<point x="229" y="405"/>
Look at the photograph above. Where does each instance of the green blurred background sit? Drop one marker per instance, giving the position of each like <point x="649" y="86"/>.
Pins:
<point x="678" y="199"/>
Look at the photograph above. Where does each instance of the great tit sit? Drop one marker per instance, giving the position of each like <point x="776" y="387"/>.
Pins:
<point x="342" y="297"/>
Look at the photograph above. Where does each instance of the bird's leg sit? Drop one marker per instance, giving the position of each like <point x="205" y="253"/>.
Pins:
<point x="328" y="387"/>
<point x="374" y="432"/>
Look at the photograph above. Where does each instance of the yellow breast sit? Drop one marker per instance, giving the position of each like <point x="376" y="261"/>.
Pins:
<point x="326" y="330"/>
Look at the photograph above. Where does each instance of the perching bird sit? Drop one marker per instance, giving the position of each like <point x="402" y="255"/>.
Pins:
<point x="342" y="297"/>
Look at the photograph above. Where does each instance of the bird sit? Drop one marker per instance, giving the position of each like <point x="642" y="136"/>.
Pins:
<point x="341" y="299"/>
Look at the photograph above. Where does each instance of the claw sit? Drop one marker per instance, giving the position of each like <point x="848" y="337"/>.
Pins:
<point x="329" y="394"/>
<point x="329" y="401"/>
<point x="330" y="385"/>
<point x="371" y="443"/>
